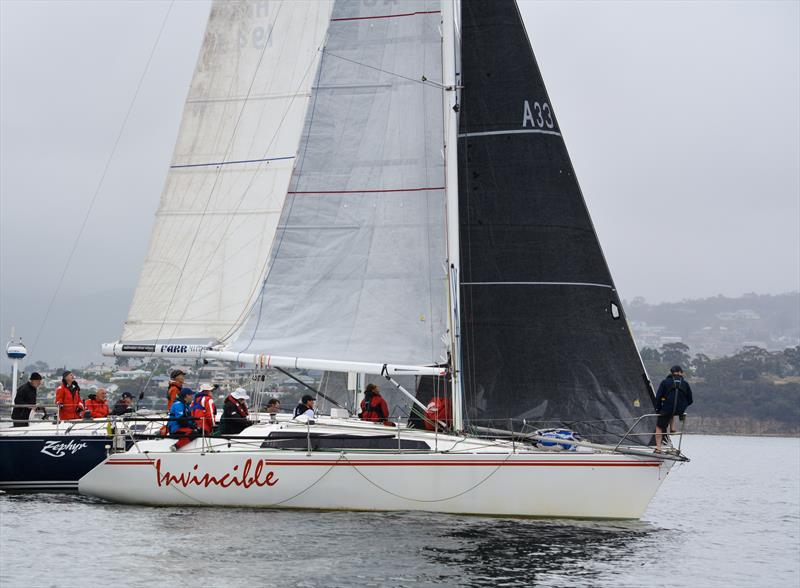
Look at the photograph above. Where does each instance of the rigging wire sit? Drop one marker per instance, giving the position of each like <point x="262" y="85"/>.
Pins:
<point x="103" y="174"/>
<point x="422" y="80"/>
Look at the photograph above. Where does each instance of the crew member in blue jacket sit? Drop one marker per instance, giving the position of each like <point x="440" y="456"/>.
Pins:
<point x="181" y="424"/>
<point x="673" y="398"/>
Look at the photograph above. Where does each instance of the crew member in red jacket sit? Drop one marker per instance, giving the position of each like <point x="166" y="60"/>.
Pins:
<point x="96" y="405"/>
<point x="374" y="407"/>
<point x="68" y="398"/>
<point x="204" y="410"/>
<point x="176" y="381"/>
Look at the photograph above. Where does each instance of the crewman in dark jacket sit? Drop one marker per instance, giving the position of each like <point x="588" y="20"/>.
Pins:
<point x="305" y="408"/>
<point x="673" y="398"/>
<point x="26" y="397"/>
<point x="124" y="405"/>
<point x="234" y="412"/>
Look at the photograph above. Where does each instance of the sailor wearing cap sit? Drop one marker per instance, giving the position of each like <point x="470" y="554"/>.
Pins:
<point x="124" y="405"/>
<point x="25" y="400"/>
<point x="305" y="408"/>
<point x="235" y="413"/>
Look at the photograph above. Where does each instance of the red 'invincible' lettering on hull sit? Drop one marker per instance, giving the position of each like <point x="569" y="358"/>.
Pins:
<point x="245" y="479"/>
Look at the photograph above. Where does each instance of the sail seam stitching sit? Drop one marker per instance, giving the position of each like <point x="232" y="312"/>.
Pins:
<point x="385" y="16"/>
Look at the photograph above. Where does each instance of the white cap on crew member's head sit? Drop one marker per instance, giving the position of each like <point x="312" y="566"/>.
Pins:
<point x="240" y="394"/>
<point x="206" y="387"/>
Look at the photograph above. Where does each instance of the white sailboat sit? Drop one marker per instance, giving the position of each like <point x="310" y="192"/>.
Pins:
<point x="382" y="188"/>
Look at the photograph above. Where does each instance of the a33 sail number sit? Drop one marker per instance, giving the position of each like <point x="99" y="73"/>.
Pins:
<point x="537" y="116"/>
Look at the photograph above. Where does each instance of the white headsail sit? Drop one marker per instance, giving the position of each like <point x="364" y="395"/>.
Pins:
<point x="357" y="272"/>
<point x="230" y="171"/>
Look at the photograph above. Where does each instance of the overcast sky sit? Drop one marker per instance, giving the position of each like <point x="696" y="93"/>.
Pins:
<point x="681" y="118"/>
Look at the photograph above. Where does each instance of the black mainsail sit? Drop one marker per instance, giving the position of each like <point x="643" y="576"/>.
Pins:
<point x="544" y="336"/>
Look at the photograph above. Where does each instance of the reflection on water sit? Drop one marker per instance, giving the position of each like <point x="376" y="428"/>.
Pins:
<point x="730" y="518"/>
<point x="516" y="552"/>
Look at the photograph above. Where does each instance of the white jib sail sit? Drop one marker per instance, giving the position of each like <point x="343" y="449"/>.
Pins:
<point x="230" y="171"/>
<point x="357" y="269"/>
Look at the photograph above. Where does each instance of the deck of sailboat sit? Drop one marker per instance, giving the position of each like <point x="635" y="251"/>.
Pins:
<point x="287" y="434"/>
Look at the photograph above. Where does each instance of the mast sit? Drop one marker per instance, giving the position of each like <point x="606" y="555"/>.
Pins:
<point x="450" y="100"/>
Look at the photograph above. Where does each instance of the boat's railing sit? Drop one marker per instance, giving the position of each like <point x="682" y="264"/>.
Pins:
<point x="608" y="435"/>
<point x="666" y="434"/>
<point x="37" y="407"/>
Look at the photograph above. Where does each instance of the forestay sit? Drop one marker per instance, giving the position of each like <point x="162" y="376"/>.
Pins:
<point x="230" y="171"/>
<point x="357" y="266"/>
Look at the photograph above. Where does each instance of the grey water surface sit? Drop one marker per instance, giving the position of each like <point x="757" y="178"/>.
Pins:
<point x="731" y="517"/>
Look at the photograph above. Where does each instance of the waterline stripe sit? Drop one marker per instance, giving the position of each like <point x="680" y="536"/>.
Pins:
<point x="536" y="284"/>
<point x="514" y="132"/>
<point x="231" y="162"/>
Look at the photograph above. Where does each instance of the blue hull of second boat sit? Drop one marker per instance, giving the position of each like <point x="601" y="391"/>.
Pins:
<point x="49" y="462"/>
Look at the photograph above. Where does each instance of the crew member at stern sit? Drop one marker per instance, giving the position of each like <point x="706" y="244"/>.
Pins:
<point x="25" y="399"/>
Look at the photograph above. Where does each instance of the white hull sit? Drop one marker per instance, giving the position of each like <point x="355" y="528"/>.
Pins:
<point x="490" y="479"/>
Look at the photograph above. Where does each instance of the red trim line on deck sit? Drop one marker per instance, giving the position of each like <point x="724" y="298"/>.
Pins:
<point x="385" y="16"/>
<point x="368" y="191"/>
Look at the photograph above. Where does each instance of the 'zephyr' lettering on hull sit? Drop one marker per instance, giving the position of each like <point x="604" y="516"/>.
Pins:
<point x="244" y="479"/>
<point x="60" y="449"/>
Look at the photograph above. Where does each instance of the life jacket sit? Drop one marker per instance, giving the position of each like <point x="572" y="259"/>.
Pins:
<point x="438" y="410"/>
<point x="374" y="408"/>
<point x="239" y="406"/>
<point x="203" y="410"/>
<point x="172" y="394"/>
<point x="71" y="401"/>
<point x="234" y="416"/>
<point x="98" y="408"/>
<point x="179" y="417"/>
